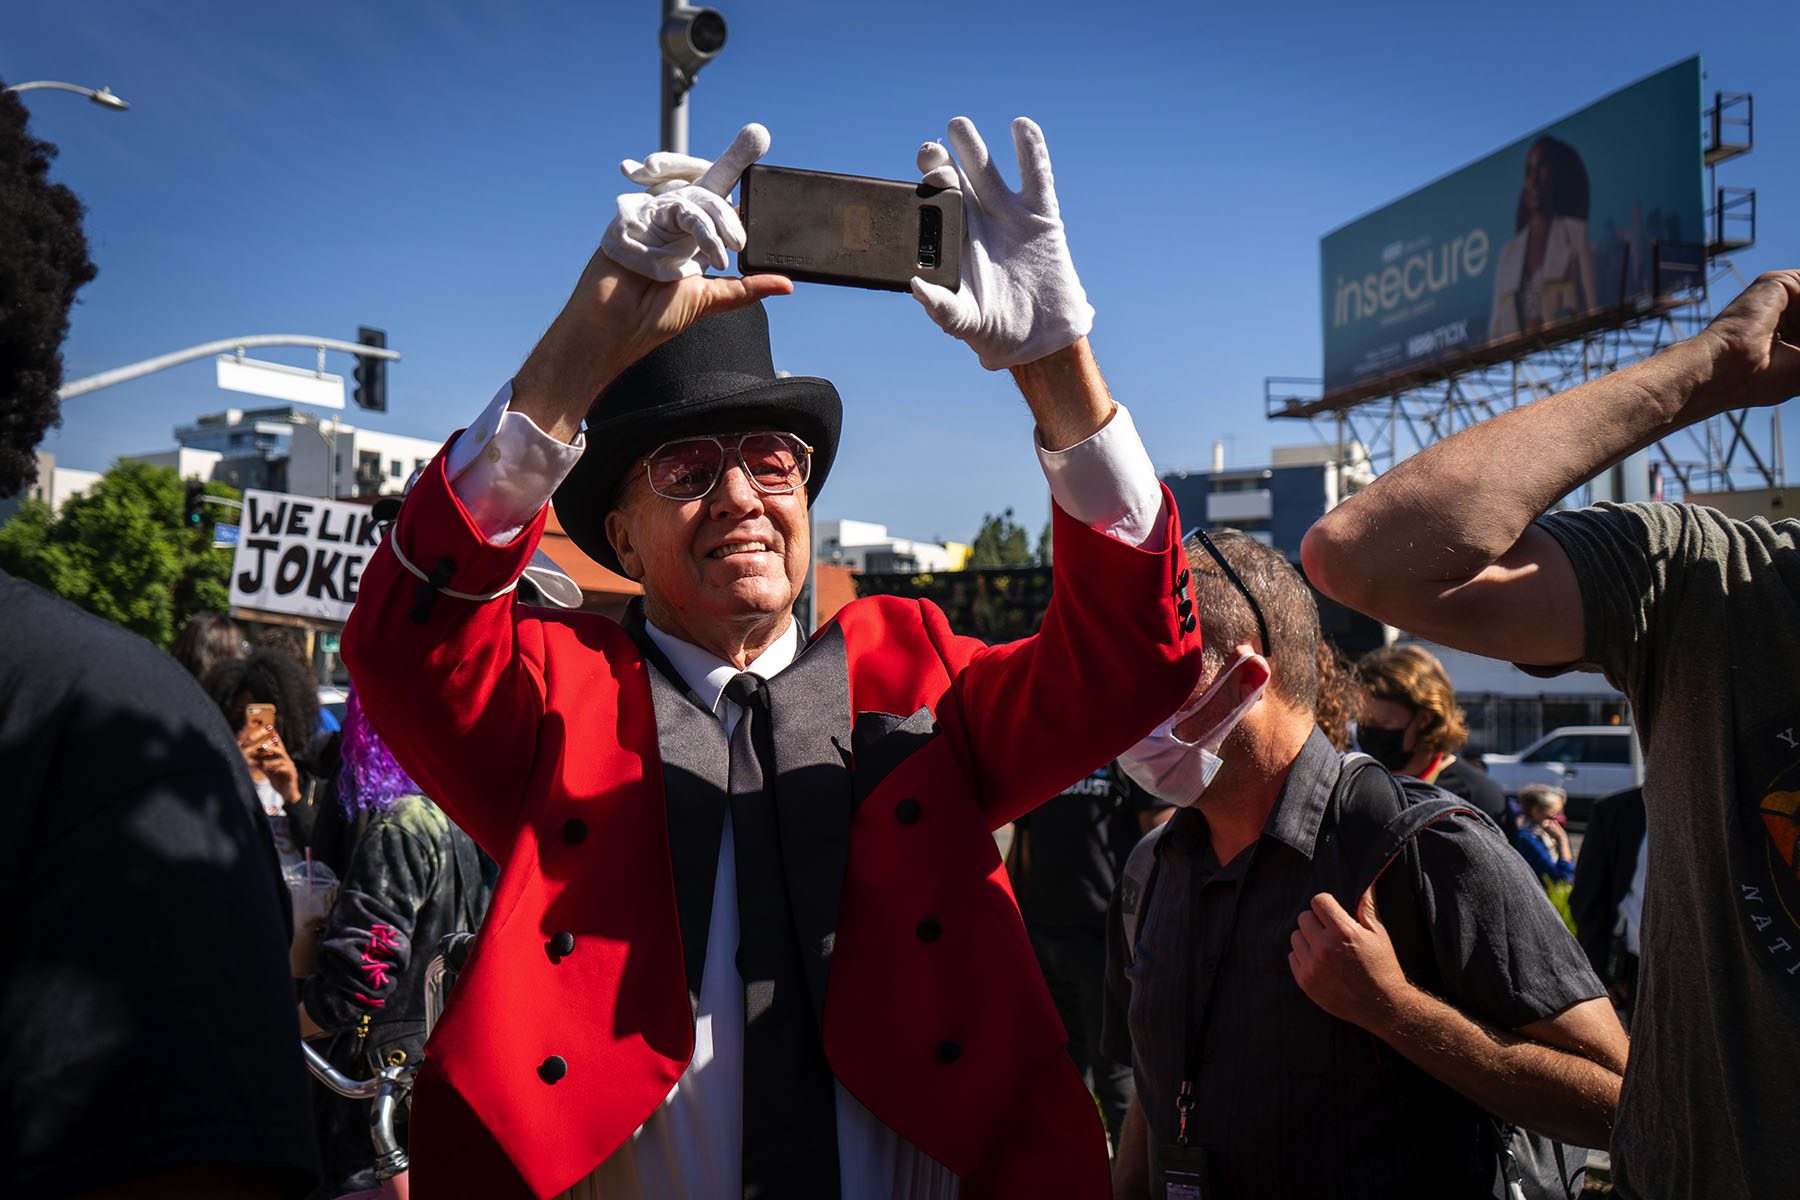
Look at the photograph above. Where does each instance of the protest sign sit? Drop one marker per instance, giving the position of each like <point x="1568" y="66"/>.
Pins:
<point x="301" y="555"/>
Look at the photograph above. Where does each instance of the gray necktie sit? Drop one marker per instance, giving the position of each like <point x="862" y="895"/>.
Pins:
<point x="790" y="1108"/>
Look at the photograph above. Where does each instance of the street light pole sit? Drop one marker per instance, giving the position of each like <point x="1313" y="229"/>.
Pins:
<point x="150" y="366"/>
<point x="674" y="111"/>
<point x="102" y="96"/>
<point x="690" y="38"/>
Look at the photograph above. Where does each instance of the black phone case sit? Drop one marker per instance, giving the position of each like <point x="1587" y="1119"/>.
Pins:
<point x="849" y="229"/>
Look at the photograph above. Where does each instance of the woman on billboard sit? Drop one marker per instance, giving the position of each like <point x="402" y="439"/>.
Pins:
<point x="1546" y="271"/>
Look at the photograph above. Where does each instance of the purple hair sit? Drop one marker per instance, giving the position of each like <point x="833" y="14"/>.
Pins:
<point x="370" y="780"/>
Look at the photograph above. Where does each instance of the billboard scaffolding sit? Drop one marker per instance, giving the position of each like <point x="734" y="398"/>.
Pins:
<point x="1740" y="449"/>
<point x="1442" y="310"/>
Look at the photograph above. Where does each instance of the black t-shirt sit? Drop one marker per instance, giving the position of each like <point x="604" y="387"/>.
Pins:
<point x="1078" y="845"/>
<point x="147" y="1019"/>
<point x="1471" y="783"/>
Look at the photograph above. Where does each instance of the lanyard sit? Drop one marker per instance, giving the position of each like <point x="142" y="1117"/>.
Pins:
<point x="1196" y="1030"/>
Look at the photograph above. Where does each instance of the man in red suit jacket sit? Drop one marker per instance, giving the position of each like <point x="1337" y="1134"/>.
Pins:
<point x="752" y="936"/>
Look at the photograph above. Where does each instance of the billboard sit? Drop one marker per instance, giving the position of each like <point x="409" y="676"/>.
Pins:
<point x="1524" y="246"/>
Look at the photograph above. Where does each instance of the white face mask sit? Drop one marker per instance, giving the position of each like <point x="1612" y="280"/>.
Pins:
<point x="1177" y="771"/>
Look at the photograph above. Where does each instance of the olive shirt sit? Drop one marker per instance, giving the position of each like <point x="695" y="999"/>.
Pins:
<point x="1696" y="618"/>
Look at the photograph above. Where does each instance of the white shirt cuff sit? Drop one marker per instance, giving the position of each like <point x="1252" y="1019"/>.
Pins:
<point x="504" y="469"/>
<point x="1108" y="484"/>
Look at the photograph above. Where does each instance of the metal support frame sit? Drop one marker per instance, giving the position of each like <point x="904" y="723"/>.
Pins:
<point x="1721" y="454"/>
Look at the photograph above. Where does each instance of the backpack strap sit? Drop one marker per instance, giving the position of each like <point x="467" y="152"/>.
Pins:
<point x="1418" y="816"/>
<point x="1136" y="884"/>
<point x="1376" y="820"/>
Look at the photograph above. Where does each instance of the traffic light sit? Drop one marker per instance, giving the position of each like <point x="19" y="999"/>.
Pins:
<point x="371" y="373"/>
<point x="691" y="38"/>
<point x="194" y="510"/>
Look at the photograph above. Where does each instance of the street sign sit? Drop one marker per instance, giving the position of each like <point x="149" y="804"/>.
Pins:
<point x="224" y="536"/>
<point x="301" y="555"/>
<point x="281" y="382"/>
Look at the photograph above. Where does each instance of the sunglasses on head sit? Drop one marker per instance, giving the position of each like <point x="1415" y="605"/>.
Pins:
<point x="777" y="464"/>
<point x="1262" y="627"/>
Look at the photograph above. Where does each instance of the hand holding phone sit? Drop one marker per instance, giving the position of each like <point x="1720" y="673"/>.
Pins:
<point x="1020" y="298"/>
<point x="259" y="727"/>
<point x="677" y="228"/>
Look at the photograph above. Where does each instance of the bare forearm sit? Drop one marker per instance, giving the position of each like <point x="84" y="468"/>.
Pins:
<point x="1131" y="1156"/>
<point x="1457" y="506"/>
<point x="570" y="364"/>
<point x="612" y="319"/>
<point x="1553" y="1091"/>
<point x="1066" y="394"/>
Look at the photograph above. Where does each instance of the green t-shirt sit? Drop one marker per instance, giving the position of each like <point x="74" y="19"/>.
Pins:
<point x="1696" y="618"/>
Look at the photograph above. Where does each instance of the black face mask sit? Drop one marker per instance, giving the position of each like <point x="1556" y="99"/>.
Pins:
<point x="1385" y="746"/>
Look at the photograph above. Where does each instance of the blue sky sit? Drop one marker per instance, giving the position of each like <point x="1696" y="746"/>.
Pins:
<point x="443" y="171"/>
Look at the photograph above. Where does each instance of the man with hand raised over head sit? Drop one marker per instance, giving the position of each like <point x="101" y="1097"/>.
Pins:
<point x="1692" y="615"/>
<point x="752" y="935"/>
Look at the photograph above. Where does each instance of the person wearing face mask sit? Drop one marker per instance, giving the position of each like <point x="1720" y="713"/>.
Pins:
<point x="1410" y="724"/>
<point x="1245" y="996"/>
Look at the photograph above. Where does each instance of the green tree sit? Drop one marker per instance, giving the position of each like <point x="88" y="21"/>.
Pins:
<point x="1000" y="543"/>
<point x="123" y="551"/>
<point x="1045" y="546"/>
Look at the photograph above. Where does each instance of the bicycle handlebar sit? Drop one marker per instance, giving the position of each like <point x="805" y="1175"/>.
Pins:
<point x="336" y="1080"/>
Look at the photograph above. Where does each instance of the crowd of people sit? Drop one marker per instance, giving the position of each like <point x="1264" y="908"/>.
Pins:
<point x="743" y="927"/>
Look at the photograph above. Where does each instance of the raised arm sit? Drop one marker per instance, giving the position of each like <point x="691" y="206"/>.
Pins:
<point x="1114" y="622"/>
<point x="644" y="285"/>
<point x="441" y="660"/>
<point x="1443" y="544"/>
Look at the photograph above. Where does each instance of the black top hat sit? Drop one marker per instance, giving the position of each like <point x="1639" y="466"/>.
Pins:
<point x="716" y="376"/>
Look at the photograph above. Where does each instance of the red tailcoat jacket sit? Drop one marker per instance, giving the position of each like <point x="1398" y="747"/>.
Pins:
<point x="534" y="729"/>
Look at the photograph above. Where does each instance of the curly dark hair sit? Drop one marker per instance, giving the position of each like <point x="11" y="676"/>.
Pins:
<point x="209" y="638"/>
<point x="286" y="640"/>
<point x="43" y="263"/>
<point x="1337" y="694"/>
<point x="269" y="676"/>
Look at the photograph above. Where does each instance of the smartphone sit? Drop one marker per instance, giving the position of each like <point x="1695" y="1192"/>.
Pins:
<point x="260" y="716"/>
<point x="849" y="229"/>
<point x="259" y="722"/>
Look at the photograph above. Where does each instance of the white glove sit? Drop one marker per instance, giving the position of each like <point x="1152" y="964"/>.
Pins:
<point x="684" y="221"/>
<point x="1020" y="298"/>
<point x="664" y="171"/>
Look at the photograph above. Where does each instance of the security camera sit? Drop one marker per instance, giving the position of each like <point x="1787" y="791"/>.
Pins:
<point x="691" y="38"/>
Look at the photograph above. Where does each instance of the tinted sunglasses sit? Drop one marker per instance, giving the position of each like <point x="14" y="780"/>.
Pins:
<point x="777" y="464"/>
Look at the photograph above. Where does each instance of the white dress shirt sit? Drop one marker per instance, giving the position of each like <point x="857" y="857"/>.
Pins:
<point x="504" y="469"/>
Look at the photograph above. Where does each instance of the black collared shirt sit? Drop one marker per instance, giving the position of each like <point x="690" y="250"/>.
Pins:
<point x="1291" y="1101"/>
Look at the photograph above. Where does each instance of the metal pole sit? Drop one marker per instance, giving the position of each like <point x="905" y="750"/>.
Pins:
<point x="102" y="96"/>
<point x="672" y="92"/>
<point x="149" y="366"/>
